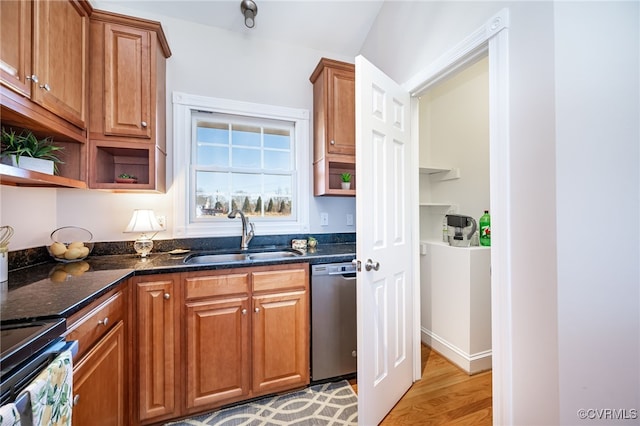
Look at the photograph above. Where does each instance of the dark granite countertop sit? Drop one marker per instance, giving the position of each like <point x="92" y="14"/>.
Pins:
<point x="58" y="290"/>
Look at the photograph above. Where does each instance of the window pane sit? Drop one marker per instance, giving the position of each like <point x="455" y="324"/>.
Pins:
<point x="246" y="183"/>
<point x="277" y="160"/>
<point x="207" y="155"/>
<point x="212" y="193"/>
<point x="246" y="158"/>
<point x="278" y="184"/>
<point x="276" y="138"/>
<point x="245" y="135"/>
<point x="247" y="203"/>
<point x="277" y="206"/>
<point x="213" y="132"/>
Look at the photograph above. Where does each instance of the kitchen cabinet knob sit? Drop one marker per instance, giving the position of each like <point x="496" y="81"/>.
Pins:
<point x="256" y="310"/>
<point x="104" y="322"/>
<point x="33" y="78"/>
<point x="332" y="142"/>
<point x="244" y="312"/>
<point x="76" y="399"/>
<point x="45" y="87"/>
<point x="143" y="124"/>
<point x="167" y="296"/>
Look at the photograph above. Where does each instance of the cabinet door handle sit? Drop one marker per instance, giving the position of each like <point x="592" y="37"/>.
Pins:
<point x="33" y="78"/>
<point x="332" y="142"/>
<point x="45" y="87"/>
<point x="104" y="322"/>
<point x="244" y="312"/>
<point x="167" y="296"/>
<point x="256" y="310"/>
<point x="143" y="124"/>
<point x="76" y="399"/>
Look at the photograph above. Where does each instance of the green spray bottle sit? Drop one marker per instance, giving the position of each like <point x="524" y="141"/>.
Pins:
<point x="485" y="229"/>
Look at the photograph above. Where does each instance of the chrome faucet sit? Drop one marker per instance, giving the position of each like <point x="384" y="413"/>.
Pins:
<point x="246" y="236"/>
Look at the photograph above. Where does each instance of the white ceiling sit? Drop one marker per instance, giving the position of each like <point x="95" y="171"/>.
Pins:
<point x="335" y="26"/>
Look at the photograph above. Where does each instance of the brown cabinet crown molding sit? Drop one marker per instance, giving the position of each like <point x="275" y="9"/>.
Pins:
<point x="132" y="21"/>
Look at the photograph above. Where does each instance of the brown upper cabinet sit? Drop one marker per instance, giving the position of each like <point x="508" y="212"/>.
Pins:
<point x="44" y="83"/>
<point x="127" y="107"/>
<point x="333" y="126"/>
<point x="44" y="59"/>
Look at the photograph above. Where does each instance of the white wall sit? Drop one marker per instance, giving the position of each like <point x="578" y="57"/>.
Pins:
<point x="574" y="296"/>
<point x="205" y="61"/>
<point x="454" y="132"/>
<point x="598" y="148"/>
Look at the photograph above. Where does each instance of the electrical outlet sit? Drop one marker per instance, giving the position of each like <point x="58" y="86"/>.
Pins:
<point x="162" y="221"/>
<point x="349" y="219"/>
<point x="324" y="219"/>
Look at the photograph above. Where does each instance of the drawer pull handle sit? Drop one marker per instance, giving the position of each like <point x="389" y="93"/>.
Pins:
<point x="144" y="124"/>
<point x="244" y="312"/>
<point x="256" y="310"/>
<point x="167" y="296"/>
<point x="76" y="399"/>
<point x="104" y="322"/>
<point x="45" y="87"/>
<point x="33" y="78"/>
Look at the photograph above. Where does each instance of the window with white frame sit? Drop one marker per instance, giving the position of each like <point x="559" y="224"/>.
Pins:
<point x="237" y="155"/>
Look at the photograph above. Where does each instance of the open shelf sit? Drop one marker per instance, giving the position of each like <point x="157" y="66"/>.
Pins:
<point x="16" y="176"/>
<point x="327" y="180"/>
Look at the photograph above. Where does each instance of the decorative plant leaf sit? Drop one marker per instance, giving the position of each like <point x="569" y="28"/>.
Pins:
<point x="28" y="145"/>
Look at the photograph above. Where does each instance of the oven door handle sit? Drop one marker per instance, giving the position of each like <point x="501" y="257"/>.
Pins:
<point x="22" y="399"/>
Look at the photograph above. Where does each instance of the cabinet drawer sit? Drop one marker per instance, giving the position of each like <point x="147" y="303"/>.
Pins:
<point x="216" y="285"/>
<point x="284" y="279"/>
<point x="91" y="327"/>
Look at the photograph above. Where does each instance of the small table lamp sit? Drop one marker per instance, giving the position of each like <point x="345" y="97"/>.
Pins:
<point x="143" y="221"/>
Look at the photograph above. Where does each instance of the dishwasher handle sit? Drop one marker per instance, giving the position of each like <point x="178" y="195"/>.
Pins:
<point x="345" y="275"/>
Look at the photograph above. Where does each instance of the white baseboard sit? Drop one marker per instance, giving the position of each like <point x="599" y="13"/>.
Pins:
<point x="471" y="363"/>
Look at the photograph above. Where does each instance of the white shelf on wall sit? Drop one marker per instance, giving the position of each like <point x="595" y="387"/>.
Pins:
<point x="444" y="173"/>
<point x="443" y="205"/>
<point x="429" y="170"/>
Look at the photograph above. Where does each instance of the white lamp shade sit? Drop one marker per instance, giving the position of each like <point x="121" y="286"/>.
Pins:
<point x="143" y="221"/>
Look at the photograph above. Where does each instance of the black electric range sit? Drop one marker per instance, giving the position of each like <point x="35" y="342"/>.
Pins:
<point x="22" y="345"/>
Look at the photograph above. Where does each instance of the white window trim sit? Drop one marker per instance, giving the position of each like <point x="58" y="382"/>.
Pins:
<point x="183" y="106"/>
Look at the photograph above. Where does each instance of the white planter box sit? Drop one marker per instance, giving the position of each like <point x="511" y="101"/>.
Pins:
<point x="30" y="163"/>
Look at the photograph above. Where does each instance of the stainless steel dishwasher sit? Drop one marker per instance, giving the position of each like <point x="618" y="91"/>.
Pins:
<point x="333" y="321"/>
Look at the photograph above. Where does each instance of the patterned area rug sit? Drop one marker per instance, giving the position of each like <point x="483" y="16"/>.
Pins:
<point x="324" y="404"/>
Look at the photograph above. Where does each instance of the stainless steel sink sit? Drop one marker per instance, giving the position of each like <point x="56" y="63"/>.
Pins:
<point x="216" y="258"/>
<point x="213" y="258"/>
<point x="273" y="255"/>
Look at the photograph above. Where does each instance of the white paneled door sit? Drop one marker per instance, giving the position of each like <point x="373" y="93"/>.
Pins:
<point x="384" y="243"/>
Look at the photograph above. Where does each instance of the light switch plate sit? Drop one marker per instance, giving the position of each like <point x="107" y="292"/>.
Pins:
<point x="324" y="219"/>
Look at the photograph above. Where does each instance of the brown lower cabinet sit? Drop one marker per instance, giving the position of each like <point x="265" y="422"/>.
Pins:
<point x="100" y="373"/>
<point x="209" y="338"/>
<point x="99" y="383"/>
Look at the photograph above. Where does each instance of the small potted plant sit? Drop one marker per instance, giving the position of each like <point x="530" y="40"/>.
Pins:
<point x="126" y="178"/>
<point x="26" y="151"/>
<point x="346" y="180"/>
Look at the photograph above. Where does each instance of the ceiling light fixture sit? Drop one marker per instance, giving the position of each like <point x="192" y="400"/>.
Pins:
<point x="249" y="10"/>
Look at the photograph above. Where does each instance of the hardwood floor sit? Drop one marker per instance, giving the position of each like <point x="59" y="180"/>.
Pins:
<point x="446" y="395"/>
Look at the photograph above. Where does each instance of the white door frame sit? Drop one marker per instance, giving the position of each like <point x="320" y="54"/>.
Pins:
<point x="491" y="39"/>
